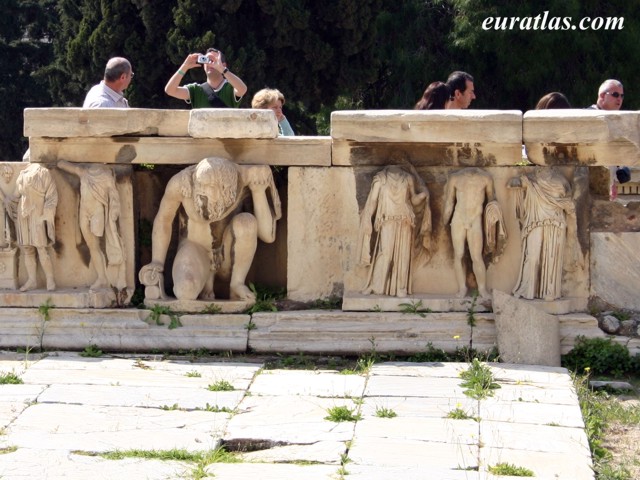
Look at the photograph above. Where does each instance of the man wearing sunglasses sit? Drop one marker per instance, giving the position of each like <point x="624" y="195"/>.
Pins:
<point x="610" y="96"/>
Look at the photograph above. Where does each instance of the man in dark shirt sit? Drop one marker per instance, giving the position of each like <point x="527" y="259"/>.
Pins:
<point x="222" y="88"/>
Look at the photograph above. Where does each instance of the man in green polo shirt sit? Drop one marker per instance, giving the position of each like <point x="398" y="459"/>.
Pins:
<point x="221" y="90"/>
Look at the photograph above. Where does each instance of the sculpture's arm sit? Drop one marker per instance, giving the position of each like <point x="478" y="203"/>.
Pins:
<point x="489" y="190"/>
<point x="70" y="167"/>
<point x="259" y="180"/>
<point x="366" y="229"/>
<point x="449" y="201"/>
<point x="162" y="224"/>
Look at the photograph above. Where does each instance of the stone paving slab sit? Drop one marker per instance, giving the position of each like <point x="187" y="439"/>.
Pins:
<point x="69" y="403"/>
<point x="255" y="471"/>
<point x="364" y="472"/>
<point x="99" y="429"/>
<point x="187" y="398"/>
<point x="325" y="452"/>
<point x="26" y="463"/>
<point x="531" y="413"/>
<point x="379" y="385"/>
<point x="392" y="452"/>
<point x="419" y="406"/>
<point x="533" y="438"/>
<point x="305" y="382"/>
<point x="134" y="372"/>
<point x="430" y="369"/>
<point x="545" y="465"/>
<point x="289" y="419"/>
<point x="435" y="430"/>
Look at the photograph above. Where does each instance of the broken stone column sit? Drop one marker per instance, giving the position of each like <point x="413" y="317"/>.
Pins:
<point x="526" y="335"/>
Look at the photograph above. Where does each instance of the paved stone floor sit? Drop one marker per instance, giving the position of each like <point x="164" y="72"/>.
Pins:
<point x="71" y="409"/>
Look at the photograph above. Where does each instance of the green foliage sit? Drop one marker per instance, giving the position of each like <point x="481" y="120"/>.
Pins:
<point x="593" y="415"/>
<point x="478" y="380"/>
<point x="158" y="310"/>
<point x="600" y="355"/>
<point x="221" y="386"/>
<point x="212" y="309"/>
<point x="415" y="308"/>
<point x="193" y="374"/>
<point x="459" y="414"/>
<point x="342" y="413"/>
<point x="91" y="351"/>
<point x="508" y="469"/>
<point x="432" y="354"/>
<point x="266" y="298"/>
<point x="10" y="378"/>
<point x="383" y="412"/>
<point x="45" y="310"/>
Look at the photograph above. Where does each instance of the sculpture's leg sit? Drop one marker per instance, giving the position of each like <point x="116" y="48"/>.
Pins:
<point x="240" y="242"/>
<point x="458" y="237"/>
<point x="477" y="262"/>
<point x="31" y="265"/>
<point x="191" y="268"/>
<point x="47" y="266"/>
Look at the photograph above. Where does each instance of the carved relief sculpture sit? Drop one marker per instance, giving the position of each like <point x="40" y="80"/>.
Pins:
<point x="547" y="217"/>
<point x="398" y="199"/>
<point x="221" y="237"/>
<point x="98" y="216"/>
<point x="8" y="248"/>
<point x="35" y="222"/>
<point x="465" y="195"/>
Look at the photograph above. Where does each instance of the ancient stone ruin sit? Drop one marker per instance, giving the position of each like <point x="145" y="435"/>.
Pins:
<point x="413" y="219"/>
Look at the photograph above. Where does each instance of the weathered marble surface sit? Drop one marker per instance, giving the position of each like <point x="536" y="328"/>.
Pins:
<point x="104" y="122"/>
<point x="232" y="123"/>
<point x="615" y="272"/>
<point x="582" y="137"/>
<point x="283" y="151"/>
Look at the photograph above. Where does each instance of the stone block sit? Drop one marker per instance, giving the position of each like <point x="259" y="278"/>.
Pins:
<point x="104" y="122"/>
<point x="358" y="332"/>
<point x="282" y="151"/>
<point x="526" y="335"/>
<point x="322" y="220"/>
<point x="461" y="137"/>
<point x="232" y="123"/>
<point x="582" y="137"/>
<point x="615" y="268"/>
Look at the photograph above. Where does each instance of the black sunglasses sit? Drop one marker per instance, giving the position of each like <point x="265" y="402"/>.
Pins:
<point x="616" y="94"/>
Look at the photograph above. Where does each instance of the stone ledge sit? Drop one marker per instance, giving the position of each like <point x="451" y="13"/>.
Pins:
<point x="104" y="122"/>
<point x="435" y="126"/>
<point x="358" y="302"/>
<point x="281" y="151"/>
<point x="232" y="123"/>
<point x="581" y="137"/>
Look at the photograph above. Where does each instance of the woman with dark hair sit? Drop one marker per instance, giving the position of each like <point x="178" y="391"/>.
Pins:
<point x="553" y="100"/>
<point x="434" y="97"/>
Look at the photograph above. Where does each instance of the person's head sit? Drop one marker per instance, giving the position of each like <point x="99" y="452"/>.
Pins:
<point x="461" y="90"/>
<point x="269" y="98"/>
<point x="118" y="74"/>
<point x="215" y="186"/>
<point x="214" y="54"/>
<point x="434" y="97"/>
<point x="610" y="95"/>
<point x="553" y="100"/>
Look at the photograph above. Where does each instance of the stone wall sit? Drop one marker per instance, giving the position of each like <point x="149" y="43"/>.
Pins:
<point x="324" y="184"/>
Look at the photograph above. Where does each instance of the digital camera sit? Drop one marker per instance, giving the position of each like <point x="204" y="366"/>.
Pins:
<point x="203" y="59"/>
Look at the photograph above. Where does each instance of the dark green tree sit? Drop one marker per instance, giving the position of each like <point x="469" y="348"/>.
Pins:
<point x="25" y="45"/>
<point x="514" y="67"/>
<point x="311" y="51"/>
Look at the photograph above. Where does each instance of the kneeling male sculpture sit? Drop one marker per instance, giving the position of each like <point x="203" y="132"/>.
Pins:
<point x="220" y="238"/>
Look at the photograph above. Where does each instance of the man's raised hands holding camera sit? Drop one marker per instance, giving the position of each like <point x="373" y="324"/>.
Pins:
<point x="222" y="88"/>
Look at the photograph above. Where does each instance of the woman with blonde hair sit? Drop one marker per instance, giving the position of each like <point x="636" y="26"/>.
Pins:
<point x="273" y="99"/>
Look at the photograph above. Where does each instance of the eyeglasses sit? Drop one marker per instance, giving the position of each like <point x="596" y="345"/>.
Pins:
<point x="615" y="94"/>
